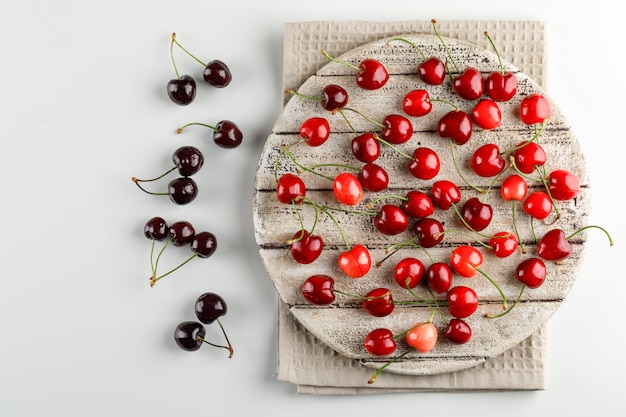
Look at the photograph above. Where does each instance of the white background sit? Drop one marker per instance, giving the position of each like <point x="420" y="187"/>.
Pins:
<point x="84" y="109"/>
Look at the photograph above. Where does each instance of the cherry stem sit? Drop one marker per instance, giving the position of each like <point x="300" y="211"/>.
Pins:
<point x="154" y="279"/>
<point x="464" y="233"/>
<point x="384" y="197"/>
<point x="302" y="167"/>
<point x="398" y="246"/>
<point x="495" y="316"/>
<point x="458" y="170"/>
<point x="172" y="54"/>
<point x="483" y="273"/>
<point x="595" y="227"/>
<point x="547" y="188"/>
<point x="330" y="58"/>
<point x="188" y="53"/>
<point x="230" y="346"/>
<point x="434" y="23"/>
<point x="410" y="43"/>
<point x="366" y="117"/>
<point x="466" y="224"/>
<point x="340" y="111"/>
<point x="493" y="45"/>
<point x="382" y="368"/>
<point x="136" y="180"/>
<point x="334" y="220"/>
<point x="519" y="241"/>
<point x="533" y="139"/>
<point x="180" y="129"/>
<point x="296" y="93"/>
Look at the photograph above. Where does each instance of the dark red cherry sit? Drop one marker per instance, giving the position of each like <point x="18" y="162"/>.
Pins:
<point x="444" y="193"/>
<point x="334" y="97"/>
<point x="554" y="246"/>
<point x="418" y="204"/>
<point x="462" y="301"/>
<point x="227" y="135"/>
<point x="366" y="147"/>
<point x="217" y="74"/>
<point x="409" y="272"/>
<point x="156" y="228"/>
<point x="398" y="129"/>
<point x="305" y="248"/>
<point x="380" y="342"/>
<point x="378" y="302"/>
<point x="188" y="160"/>
<point x="189" y="335"/>
<point x="319" y="289"/>
<point x="455" y="125"/>
<point x="469" y="85"/>
<point x="486" y="161"/>
<point x="503" y="244"/>
<point x="391" y="220"/>
<point x="529" y="155"/>
<point x="477" y="214"/>
<point x="432" y="71"/>
<point x="315" y="131"/>
<point x="563" y="185"/>
<point x="439" y="277"/>
<point x="425" y="164"/>
<point x="532" y="272"/>
<point x="458" y="331"/>
<point x="209" y="307"/>
<point x="204" y="244"/>
<point x="290" y="188"/>
<point x="182" y="91"/>
<point x="182" y="190"/>
<point x="373" y="177"/>
<point x="429" y="232"/>
<point x="181" y="233"/>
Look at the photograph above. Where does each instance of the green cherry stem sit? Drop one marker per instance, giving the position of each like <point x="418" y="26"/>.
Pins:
<point x="180" y="129"/>
<point x="434" y="24"/>
<point x="493" y="45"/>
<point x="382" y="368"/>
<point x="484" y="274"/>
<point x="520" y="243"/>
<point x="186" y="51"/>
<point x="608" y="235"/>
<point x="419" y="50"/>
<point x="172" y="55"/>
<point x="458" y="170"/>
<point x="330" y="58"/>
<point x="519" y="296"/>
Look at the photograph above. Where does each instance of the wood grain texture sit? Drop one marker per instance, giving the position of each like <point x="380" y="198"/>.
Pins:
<point x="343" y="325"/>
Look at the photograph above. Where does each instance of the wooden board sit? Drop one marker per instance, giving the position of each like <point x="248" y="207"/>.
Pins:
<point x="343" y="325"/>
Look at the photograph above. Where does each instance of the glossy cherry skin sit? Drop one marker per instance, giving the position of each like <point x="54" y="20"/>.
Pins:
<point x="204" y="244"/>
<point x="429" y="232"/>
<point x="487" y="114"/>
<point x="418" y="204"/>
<point x="465" y="259"/>
<point x="554" y="246"/>
<point x="305" y="248"/>
<point x="532" y="272"/>
<point x="355" y="262"/>
<point x="538" y="205"/>
<point x="528" y="156"/>
<point x="469" y="85"/>
<point x="227" y="135"/>
<point x="181" y="233"/>
<point x="477" y="214"/>
<point x="503" y="244"/>
<point x="209" y="307"/>
<point x="182" y="190"/>
<point x="189" y="335"/>
<point x="534" y="108"/>
<point x="462" y="301"/>
<point x="563" y="185"/>
<point x="391" y="220"/>
<point x="366" y="147"/>
<point x="156" y="228"/>
<point x="188" y="160"/>
<point x="182" y="91"/>
<point x="486" y="161"/>
<point x="217" y="74"/>
<point x="432" y="71"/>
<point x="380" y="342"/>
<point x="373" y="177"/>
<point x="423" y="337"/>
<point x="439" y="277"/>
<point x="372" y="74"/>
<point x="315" y="131"/>
<point x="397" y="129"/>
<point x="409" y="272"/>
<point x="348" y="189"/>
<point x="458" y="331"/>
<point x="514" y="187"/>
<point x="455" y="125"/>
<point x="417" y="103"/>
<point x="445" y="193"/>
<point x="378" y="302"/>
<point x="501" y="86"/>
<point x="334" y="97"/>
<point x="319" y="289"/>
<point x="425" y="164"/>
<point x="290" y="188"/>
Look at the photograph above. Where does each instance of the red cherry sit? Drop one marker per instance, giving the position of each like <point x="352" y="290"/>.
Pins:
<point x="397" y="129"/>
<point x="469" y="85"/>
<point x="486" y="161"/>
<point x="373" y="177"/>
<point x="372" y="74"/>
<point x="432" y="71"/>
<point x="554" y="246"/>
<point x="319" y="289"/>
<point x="305" y="248"/>
<point x="423" y="337"/>
<point x="417" y="103"/>
<point x="445" y="193"/>
<point x="514" y="187"/>
<point x="528" y="156"/>
<point x="366" y="147"/>
<point x="501" y="86"/>
<point x="315" y="131"/>
<point x="563" y="185"/>
<point x="334" y="97"/>
<point x="503" y="244"/>
<point x="418" y="204"/>
<point x="429" y="232"/>
<point x="455" y="125"/>
<point x="531" y="272"/>
<point x="534" y="108"/>
<point x="486" y="114"/>
<point x="408" y="272"/>
<point x="391" y="220"/>
<point x="465" y="259"/>
<point x="477" y="215"/>
<point x="380" y="342"/>
<point x="458" y="331"/>
<point x="462" y="301"/>
<point x="439" y="277"/>
<point x="348" y="189"/>
<point x="378" y="302"/>
<point x="355" y="262"/>
<point x="425" y="164"/>
<point x="538" y="205"/>
<point x="290" y="188"/>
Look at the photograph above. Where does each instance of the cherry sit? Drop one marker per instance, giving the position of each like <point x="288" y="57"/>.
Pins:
<point x="418" y="204"/>
<point x="210" y="307"/>
<point x="304" y="247"/>
<point x="503" y="244"/>
<point x="391" y="220"/>
<point x="455" y="125"/>
<point x="347" y="189"/>
<point x="397" y="129"/>
<point x="445" y="193"/>
<point x="425" y="163"/>
<point x="531" y="272"/>
<point x="417" y="103"/>
<point x="156" y="229"/>
<point x="189" y="335"/>
<point x="462" y="301"/>
<point x="355" y="262"/>
<point x="486" y="114"/>
<point x="528" y="155"/>
<point x="476" y="214"/>
<point x="315" y="131"/>
<point x="215" y="72"/>
<point x="563" y="185"/>
<point x="538" y="205"/>
<point x="439" y="277"/>
<point x="181" y="233"/>
<point x="290" y="189"/>
<point x="319" y="289"/>
<point x="373" y="177"/>
<point x="465" y="260"/>
<point x="188" y="160"/>
<point x="514" y="188"/>
<point x="408" y="272"/>
<point x="182" y="89"/>
<point x="486" y="161"/>
<point x="431" y="70"/>
<point x="423" y="337"/>
<point x="378" y="302"/>
<point x="204" y="244"/>
<point x="555" y="246"/>
<point x="334" y="97"/>
<point x="366" y="147"/>
<point x="429" y="232"/>
<point x="226" y="134"/>
<point x="458" y="331"/>
<point x="182" y="190"/>
<point x="500" y="85"/>
<point x="371" y="73"/>
<point x="380" y="342"/>
<point x="534" y="109"/>
<point x="469" y="85"/>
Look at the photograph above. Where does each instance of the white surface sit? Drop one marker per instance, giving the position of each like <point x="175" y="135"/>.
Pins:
<point x="84" y="109"/>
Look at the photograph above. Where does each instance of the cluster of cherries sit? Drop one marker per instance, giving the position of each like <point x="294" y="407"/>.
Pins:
<point x="527" y="160"/>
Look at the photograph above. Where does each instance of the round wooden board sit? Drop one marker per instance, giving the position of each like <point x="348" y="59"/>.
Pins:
<point x="343" y="325"/>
